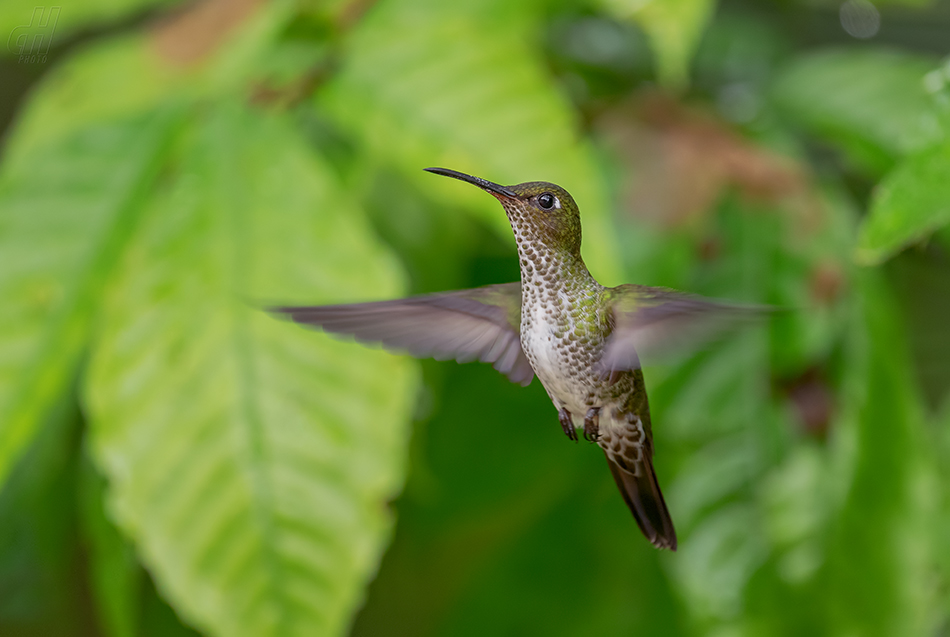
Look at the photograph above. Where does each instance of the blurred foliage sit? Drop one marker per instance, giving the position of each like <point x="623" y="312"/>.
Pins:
<point x="174" y="461"/>
<point x="673" y="28"/>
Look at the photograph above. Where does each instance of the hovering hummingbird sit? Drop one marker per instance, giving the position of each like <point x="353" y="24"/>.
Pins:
<point x="583" y="341"/>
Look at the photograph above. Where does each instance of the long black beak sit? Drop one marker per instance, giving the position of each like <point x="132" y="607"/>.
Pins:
<point x="484" y="184"/>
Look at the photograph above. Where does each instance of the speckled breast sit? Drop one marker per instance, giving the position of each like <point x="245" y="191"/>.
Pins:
<point x="563" y="344"/>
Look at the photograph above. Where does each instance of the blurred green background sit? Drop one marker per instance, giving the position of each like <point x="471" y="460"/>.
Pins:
<point x="175" y="462"/>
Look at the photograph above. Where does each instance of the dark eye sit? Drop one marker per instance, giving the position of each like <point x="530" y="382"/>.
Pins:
<point x="546" y="201"/>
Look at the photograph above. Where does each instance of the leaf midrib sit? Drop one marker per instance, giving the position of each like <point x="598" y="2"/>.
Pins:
<point x="239" y="251"/>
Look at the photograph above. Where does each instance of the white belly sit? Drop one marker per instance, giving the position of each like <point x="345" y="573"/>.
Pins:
<point x="565" y="375"/>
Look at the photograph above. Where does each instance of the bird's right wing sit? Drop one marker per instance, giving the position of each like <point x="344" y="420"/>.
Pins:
<point x="465" y="325"/>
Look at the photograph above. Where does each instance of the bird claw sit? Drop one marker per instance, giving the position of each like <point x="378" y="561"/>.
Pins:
<point x="567" y="424"/>
<point x="592" y="424"/>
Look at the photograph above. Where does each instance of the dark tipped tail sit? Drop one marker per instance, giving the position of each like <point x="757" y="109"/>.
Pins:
<point x="642" y="495"/>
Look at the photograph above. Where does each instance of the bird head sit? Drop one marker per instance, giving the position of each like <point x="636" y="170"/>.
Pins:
<point x="541" y="213"/>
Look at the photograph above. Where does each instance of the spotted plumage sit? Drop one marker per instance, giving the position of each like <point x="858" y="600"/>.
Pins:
<point x="582" y="340"/>
<point x="566" y="324"/>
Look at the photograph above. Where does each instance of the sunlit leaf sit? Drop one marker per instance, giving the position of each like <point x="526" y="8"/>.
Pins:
<point x="111" y="81"/>
<point x="910" y="204"/>
<point x="468" y="93"/>
<point x="250" y="460"/>
<point x="65" y="211"/>
<point x="674" y="28"/>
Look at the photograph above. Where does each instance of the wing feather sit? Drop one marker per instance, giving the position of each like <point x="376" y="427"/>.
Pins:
<point x="657" y="322"/>
<point x="465" y="325"/>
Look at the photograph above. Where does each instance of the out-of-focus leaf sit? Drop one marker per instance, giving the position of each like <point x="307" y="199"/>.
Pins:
<point x="911" y="203"/>
<point x="674" y="28"/>
<point x="122" y="77"/>
<point x="243" y="455"/>
<point x="115" y="574"/>
<point x="720" y="558"/>
<point x="30" y="28"/>
<point x="811" y="279"/>
<point x="879" y="427"/>
<point x="65" y="212"/>
<point x="469" y="93"/>
<point x="712" y="476"/>
<point x="101" y="84"/>
<point x="872" y="101"/>
<point x="792" y="498"/>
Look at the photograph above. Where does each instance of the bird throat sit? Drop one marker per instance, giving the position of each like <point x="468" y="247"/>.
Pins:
<point x="550" y="271"/>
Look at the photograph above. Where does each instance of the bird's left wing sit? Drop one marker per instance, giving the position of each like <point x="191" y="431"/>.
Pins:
<point x="465" y="325"/>
<point x="654" y="322"/>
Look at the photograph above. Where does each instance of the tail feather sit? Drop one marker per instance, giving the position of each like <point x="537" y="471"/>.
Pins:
<point x="642" y="495"/>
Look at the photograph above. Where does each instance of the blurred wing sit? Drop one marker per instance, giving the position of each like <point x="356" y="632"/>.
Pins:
<point x="654" y="323"/>
<point x="478" y="324"/>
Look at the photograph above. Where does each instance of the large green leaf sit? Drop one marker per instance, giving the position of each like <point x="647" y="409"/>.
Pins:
<point x="250" y="460"/>
<point x="467" y="91"/>
<point x="871" y="100"/>
<point x="674" y="28"/>
<point x="112" y="79"/>
<point x="912" y="202"/>
<point x="65" y="211"/>
<point x="873" y="567"/>
<point x="116" y="78"/>
<point x="99" y="84"/>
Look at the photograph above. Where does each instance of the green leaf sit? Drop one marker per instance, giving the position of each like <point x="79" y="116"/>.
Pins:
<point x="29" y="28"/>
<point x="674" y="28"/>
<point x="113" y="80"/>
<point x="469" y="93"/>
<point x="125" y="76"/>
<point x="250" y="460"/>
<point x="911" y="203"/>
<point x="869" y="586"/>
<point x="65" y="212"/>
<point x="872" y="101"/>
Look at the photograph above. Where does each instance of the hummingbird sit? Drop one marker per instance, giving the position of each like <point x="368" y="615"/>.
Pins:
<point x="582" y="340"/>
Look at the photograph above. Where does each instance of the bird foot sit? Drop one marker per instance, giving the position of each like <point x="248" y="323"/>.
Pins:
<point x="592" y="424"/>
<point x="567" y="424"/>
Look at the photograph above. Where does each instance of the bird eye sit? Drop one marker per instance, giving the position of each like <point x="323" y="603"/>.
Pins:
<point x="546" y="201"/>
